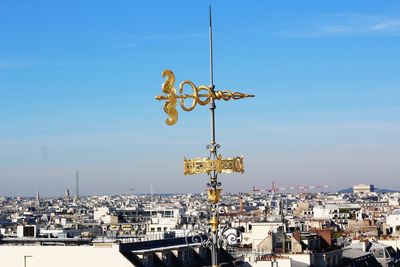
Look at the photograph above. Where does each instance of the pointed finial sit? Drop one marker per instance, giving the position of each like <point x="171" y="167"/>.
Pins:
<point x="209" y="12"/>
<point x="211" y="53"/>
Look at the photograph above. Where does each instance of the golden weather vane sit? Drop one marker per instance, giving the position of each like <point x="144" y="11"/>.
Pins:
<point x="212" y="165"/>
<point x="202" y="95"/>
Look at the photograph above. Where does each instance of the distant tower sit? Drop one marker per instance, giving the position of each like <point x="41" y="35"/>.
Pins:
<point x="67" y="195"/>
<point x="241" y="204"/>
<point x="77" y="184"/>
<point x="37" y="198"/>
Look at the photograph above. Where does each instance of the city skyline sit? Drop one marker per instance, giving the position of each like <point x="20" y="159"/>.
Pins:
<point x="78" y="81"/>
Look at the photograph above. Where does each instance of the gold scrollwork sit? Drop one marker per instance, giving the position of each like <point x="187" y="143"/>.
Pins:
<point x="202" y="95"/>
<point x="170" y="104"/>
<point x="207" y="165"/>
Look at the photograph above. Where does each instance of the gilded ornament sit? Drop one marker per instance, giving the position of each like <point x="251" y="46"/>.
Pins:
<point x="214" y="195"/>
<point x="202" y="95"/>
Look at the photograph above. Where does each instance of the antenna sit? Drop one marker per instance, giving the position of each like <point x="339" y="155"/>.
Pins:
<point x="77" y="184"/>
<point x="211" y="53"/>
<point x="212" y="103"/>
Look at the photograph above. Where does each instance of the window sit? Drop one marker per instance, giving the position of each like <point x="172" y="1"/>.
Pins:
<point x="167" y="258"/>
<point x="29" y="231"/>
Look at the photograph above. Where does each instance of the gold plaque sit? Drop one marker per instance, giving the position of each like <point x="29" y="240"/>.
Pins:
<point x="207" y="165"/>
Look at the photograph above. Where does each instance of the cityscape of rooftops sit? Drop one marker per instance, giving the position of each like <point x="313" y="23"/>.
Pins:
<point x="199" y="133"/>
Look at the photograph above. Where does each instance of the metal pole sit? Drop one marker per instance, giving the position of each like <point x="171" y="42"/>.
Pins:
<point x="212" y="102"/>
<point x="213" y="154"/>
<point x="211" y="53"/>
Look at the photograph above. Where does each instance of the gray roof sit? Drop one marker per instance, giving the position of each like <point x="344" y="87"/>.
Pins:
<point x="353" y="253"/>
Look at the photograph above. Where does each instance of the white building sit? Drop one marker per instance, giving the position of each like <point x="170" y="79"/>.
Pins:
<point x="63" y="256"/>
<point x="325" y="212"/>
<point x="102" y="214"/>
<point x="259" y="231"/>
<point x="363" y="188"/>
<point x="393" y="221"/>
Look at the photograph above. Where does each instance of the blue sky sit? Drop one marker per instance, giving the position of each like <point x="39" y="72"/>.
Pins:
<point x="78" y="80"/>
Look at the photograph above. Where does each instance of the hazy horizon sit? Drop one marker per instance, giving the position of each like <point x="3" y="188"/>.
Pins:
<point x="78" y="80"/>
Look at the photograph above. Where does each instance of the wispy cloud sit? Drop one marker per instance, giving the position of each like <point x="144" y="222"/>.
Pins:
<point x="150" y="37"/>
<point x="343" y="24"/>
<point x="389" y="25"/>
<point x="16" y="64"/>
<point x="131" y="40"/>
<point x="127" y="40"/>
